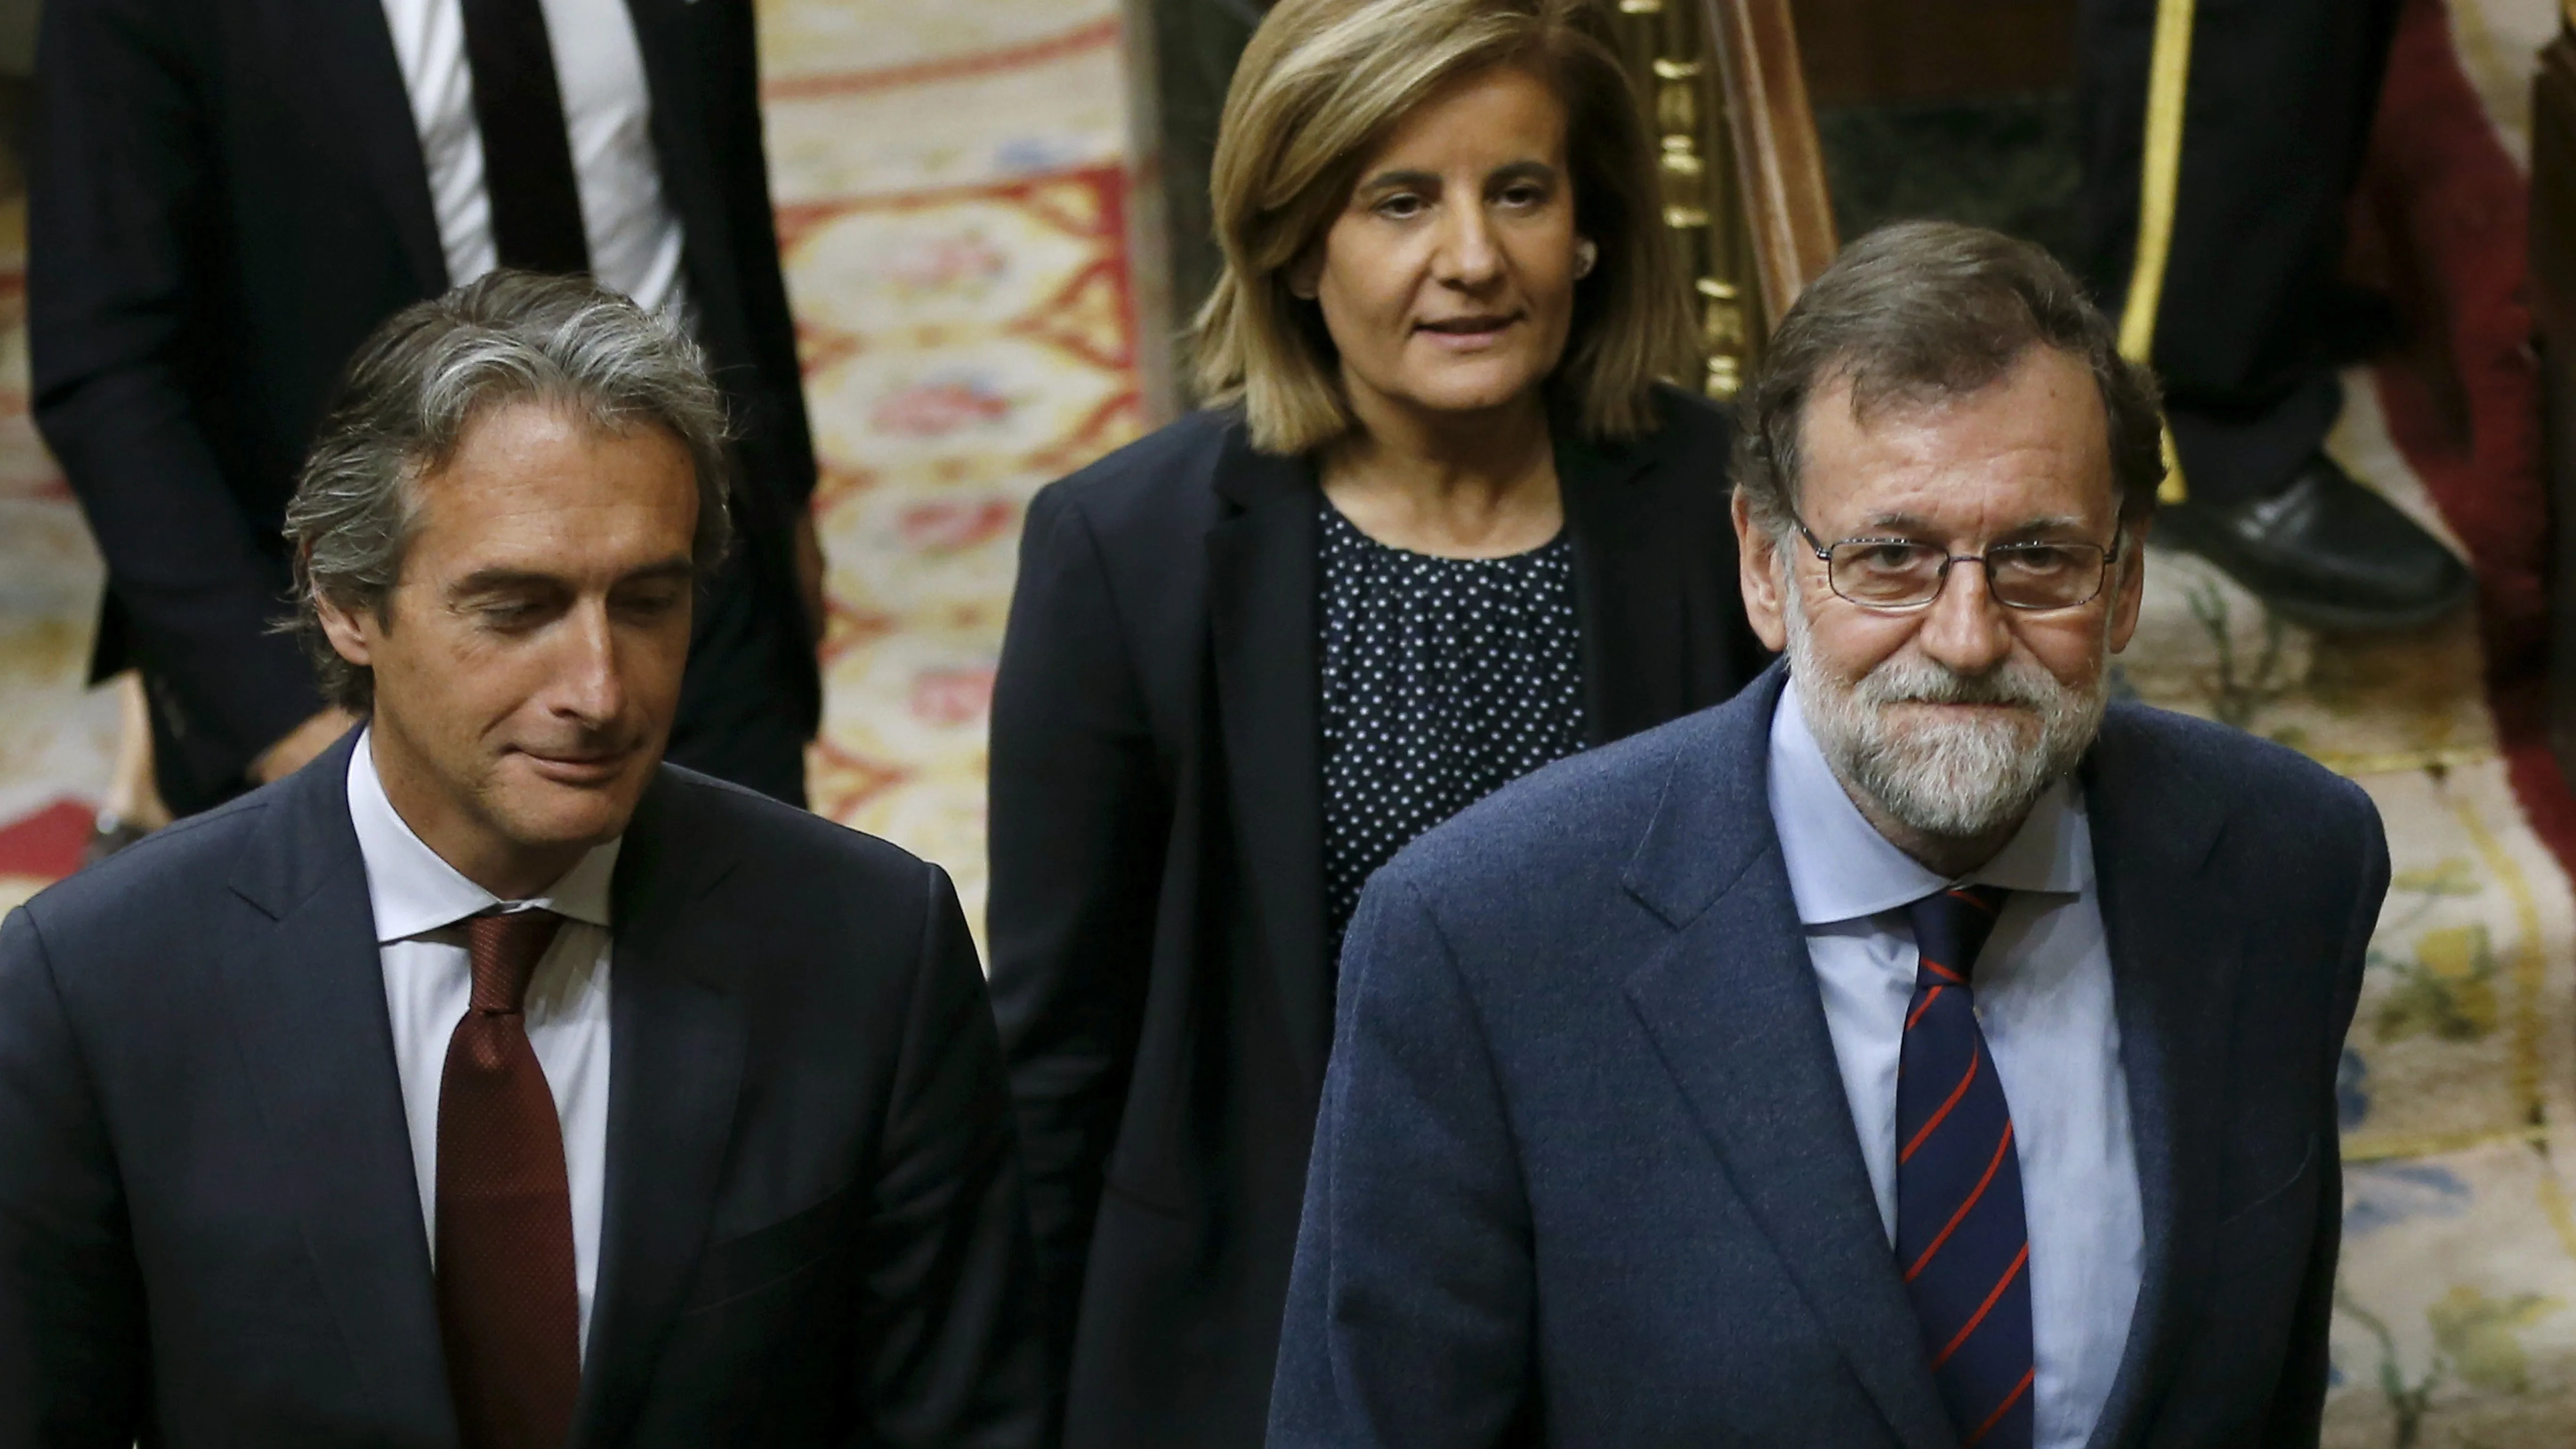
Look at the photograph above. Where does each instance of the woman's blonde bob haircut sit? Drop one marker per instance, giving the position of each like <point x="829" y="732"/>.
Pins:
<point x="1321" y="85"/>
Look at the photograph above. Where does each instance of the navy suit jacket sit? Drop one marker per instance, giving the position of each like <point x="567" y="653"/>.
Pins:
<point x="209" y="1228"/>
<point x="1585" y="1173"/>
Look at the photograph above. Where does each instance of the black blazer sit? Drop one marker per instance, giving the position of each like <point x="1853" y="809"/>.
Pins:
<point x="1586" y="1173"/>
<point x="1160" y="965"/>
<point x="224" y="198"/>
<point x="208" y="1217"/>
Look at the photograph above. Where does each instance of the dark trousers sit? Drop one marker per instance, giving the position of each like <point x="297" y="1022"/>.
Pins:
<point x="2279" y="110"/>
<point x="744" y="713"/>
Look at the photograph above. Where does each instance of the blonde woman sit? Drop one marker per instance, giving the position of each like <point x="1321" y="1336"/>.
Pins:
<point x="1441" y="523"/>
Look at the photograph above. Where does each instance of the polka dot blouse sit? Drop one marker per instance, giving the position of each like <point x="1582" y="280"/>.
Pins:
<point x="1444" y="679"/>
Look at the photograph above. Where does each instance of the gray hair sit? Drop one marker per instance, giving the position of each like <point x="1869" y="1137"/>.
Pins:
<point x="1925" y="310"/>
<point x="423" y="379"/>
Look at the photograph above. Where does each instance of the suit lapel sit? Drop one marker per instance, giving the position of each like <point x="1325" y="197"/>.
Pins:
<point x="1628" y="586"/>
<point x="370" y="106"/>
<point x="1732" y="1006"/>
<point x="2174" y="988"/>
<point x="676" y="1048"/>
<point x="306" y="991"/>
<point x="1261" y="610"/>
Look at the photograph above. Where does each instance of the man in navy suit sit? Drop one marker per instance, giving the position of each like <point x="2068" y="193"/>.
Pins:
<point x="1917" y="1050"/>
<point x="488" y="1082"/>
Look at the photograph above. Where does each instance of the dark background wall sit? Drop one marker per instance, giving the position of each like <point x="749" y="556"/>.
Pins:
<point x="1963" y="109"/>
<point x="1895" y="51"/>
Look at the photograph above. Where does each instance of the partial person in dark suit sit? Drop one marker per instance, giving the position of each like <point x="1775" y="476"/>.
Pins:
<point x="1917" y="1050"/>
<point x="490" y="1082"/>
<point x="226" y="196"/>
<point x="1440" y="526"/>
<point x="2249" y="314"/>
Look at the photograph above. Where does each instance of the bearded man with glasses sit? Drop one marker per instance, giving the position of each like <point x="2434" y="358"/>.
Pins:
<point x="1920" y="1048"/>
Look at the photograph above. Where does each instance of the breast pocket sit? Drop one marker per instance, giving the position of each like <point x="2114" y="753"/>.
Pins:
<point x="736" y="1267"/>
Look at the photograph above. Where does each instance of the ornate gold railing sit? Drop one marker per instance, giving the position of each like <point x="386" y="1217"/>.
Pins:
<point x="1744" y="187"/>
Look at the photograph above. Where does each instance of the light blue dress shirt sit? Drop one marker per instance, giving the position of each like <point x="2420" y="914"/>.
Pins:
<point x="2043" y="990"/>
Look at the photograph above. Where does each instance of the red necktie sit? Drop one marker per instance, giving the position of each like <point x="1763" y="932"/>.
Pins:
<point x="509" y="1307"/>
<point x="1962" y="1237"/>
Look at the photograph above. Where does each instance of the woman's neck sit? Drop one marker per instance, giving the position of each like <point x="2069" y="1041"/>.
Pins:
<point x="1480" y="485"/>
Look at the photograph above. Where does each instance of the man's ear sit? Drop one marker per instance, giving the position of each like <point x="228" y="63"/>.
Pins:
<point x="1759" y="575"/>
<point x="2130" y="581"/>
<point x="351" y="632"/>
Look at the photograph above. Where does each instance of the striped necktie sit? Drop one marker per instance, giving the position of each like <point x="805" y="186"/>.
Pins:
<point x="1962" y="1241"/>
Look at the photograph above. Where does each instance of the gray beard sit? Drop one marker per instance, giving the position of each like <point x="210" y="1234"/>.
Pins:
<point x="1953" y="779"/>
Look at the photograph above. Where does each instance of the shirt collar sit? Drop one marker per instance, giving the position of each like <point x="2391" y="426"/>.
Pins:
<point x="413" y="891"/>
<point x="1840" y="867"/>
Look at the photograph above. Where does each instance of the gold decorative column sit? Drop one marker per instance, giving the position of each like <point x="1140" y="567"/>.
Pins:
<point x="1670" y="60"/>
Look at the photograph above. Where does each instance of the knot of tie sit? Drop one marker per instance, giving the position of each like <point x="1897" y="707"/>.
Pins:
<point x="1950" y="928"/>
<point x="505" y="947"/>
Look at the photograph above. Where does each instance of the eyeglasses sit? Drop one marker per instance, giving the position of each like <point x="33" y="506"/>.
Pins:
<point x="1900" y="573"/>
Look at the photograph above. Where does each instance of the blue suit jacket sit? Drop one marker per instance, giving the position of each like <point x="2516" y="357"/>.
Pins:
<point x="208" y="1223"/>
<point x="1585" y="1173"/>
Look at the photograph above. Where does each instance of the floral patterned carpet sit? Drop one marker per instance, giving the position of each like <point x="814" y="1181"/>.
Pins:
<point x="953" y="182"/>
<point x="952" y="190"/>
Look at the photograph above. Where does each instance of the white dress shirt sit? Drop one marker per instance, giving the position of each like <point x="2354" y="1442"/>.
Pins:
<point x="420" y="903"/>
<point x="2043" y="992"/>
<point x="635" y="243"/>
